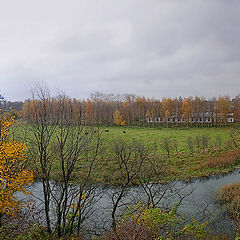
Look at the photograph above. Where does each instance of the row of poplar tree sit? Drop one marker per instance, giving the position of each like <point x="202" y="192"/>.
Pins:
<point x="131" y="110"/>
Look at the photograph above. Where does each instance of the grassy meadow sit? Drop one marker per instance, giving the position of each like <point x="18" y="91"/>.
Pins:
<point x="152" y="136"/>
<point x="218" y="156"/>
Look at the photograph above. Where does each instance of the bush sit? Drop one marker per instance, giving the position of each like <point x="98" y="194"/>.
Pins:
<point x="167" y="145"/>
<point x="229" y="196"/>
<point x="141" y="223"/>
<point x="190" y="144"/>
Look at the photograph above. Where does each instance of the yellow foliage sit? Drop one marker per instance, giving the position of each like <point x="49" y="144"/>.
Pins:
<point x="13" y="175"/>
<point x="117" y="118"/>
<point x="89" y="111"/>
<point x="186" y="108"/>
<point x="148" y="114"/>
<point x="167" y="114"/>
<point x="123" y="123"/>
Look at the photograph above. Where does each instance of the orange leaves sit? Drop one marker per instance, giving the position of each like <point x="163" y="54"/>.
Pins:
<point x="223" y="107"/>
<point x="13" y="175"/>
<point x="186" y="108"/>
<point x="117" y="118"/>
<point x="89" y="111"/>
<point x="167" y="114"/>
<point x="5" y="123"/>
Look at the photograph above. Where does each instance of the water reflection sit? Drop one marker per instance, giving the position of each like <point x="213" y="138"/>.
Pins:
<point x="198" y="199"/>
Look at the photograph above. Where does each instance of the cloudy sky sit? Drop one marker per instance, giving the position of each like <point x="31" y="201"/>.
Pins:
<point x="147" y="47"/>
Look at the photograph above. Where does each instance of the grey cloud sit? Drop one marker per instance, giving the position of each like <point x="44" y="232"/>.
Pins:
<point x="153" y="48"/>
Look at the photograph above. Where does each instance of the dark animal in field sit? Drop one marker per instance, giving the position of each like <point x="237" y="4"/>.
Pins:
<point x="86" y="133"/>
<point x="124" y="131"/>
<point x="94" y="131"/>
<point x="106" y="130"/>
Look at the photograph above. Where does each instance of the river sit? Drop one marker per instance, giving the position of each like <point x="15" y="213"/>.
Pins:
<point x="199" y="201"/>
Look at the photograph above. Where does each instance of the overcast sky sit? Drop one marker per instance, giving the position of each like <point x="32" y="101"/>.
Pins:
<point x="153" y="48"/>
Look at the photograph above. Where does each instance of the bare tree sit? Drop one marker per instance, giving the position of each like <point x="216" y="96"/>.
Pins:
<point x="129" y="159"/>
<point x="41" y="125"/>
<point x="198" y="142"/>
<point x="175" y="145"/>
<point x="149" y="177"/>
<point x="58" y="139"/>
<point x="77" y="156"/>
<point x="160" y="195"/>
<point x="235" y="137"/>
<point x="190" y="144"/>
<point x="166" y="145"/>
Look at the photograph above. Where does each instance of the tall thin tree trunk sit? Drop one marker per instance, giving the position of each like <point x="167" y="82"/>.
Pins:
<point x="46" y="192"/>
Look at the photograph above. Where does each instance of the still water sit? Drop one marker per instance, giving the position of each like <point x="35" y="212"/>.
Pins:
<point x="199" y="201"/>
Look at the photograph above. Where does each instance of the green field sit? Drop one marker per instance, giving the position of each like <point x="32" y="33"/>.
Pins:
<point x="155" y="136"/>
<point x="181" y="163"/>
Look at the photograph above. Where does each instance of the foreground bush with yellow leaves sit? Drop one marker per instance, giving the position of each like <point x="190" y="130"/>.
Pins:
<point x="13" y="173"/>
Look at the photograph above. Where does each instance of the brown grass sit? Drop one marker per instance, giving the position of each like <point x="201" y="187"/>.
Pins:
<point x="230" y="194"/>
<point x="228" y="159"/>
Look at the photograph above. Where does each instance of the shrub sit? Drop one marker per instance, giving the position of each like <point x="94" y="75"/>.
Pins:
<point x="141" y="223"/>
<point x="230" y="193"/>
<point x="167" y="145"/>
<point x="229" y="196"/>
<point x="190" y="144"/>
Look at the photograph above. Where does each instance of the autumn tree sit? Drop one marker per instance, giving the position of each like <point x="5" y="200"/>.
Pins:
<point x="124" y="107"/>
<point x="117" y="118"/>
<point x="89" y="111"/>
<point x="186" y="110"/>
<point x="167" y="105"/>
<point x="222" y="108"/>
<point x="100" y="110"/>
<point x="199" y="108"/>
<point x="212" y="110"/>
<point x="141" y="103"/>
<point x="13" y="173"/>
<point x="237" y="108"/>
<point x="148" y="117"/>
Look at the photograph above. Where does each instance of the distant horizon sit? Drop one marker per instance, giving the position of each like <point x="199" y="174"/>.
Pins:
<point x="123" y="94"/>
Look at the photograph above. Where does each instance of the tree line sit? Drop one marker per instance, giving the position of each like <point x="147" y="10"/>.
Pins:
<point x="131" y="110"/>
